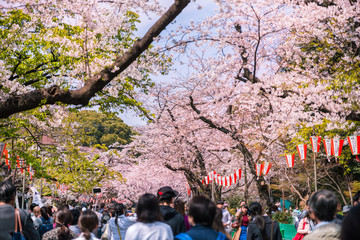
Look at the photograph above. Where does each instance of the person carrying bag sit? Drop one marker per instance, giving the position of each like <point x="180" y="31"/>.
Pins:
<point x="18" y="235"/>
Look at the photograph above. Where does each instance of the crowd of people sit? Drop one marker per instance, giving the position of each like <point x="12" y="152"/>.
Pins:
<point x="164" y="216"/>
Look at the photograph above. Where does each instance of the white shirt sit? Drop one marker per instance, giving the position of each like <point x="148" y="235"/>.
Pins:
<point x="149" y="231"/>
<point x="92" y="237"/>
<point x="124" y="223"/>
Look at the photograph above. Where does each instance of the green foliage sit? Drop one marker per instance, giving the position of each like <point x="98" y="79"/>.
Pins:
<point x="100" y="129"/>
<point x="282" y="217"/>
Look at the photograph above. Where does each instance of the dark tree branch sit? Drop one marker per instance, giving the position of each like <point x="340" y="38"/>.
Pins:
<point x="96" y="83"/>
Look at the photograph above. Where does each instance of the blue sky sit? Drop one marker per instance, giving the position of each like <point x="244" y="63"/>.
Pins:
<point x="196" y="11"/>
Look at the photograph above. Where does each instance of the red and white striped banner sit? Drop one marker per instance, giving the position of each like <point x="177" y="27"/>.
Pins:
<point x="336" y="146"/>
<point x="238" y="174"/>
<point x="327" y="146"/>
<point x="259" y="169"/>
<point x="233" y="178"/>
<point x="266" y="168"/>
<point x="354" y="142"/>
<point x="315" y="143"/>
<point x="302" y="151"/>
<point x="290" y="160"/>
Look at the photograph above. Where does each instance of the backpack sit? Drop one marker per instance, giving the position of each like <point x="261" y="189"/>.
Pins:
<point x="45" y="226"/>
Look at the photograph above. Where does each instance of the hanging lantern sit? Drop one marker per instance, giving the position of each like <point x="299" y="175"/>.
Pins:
<point x="238" y="174"/>
<point x="228" y="181"/>
<point x="315" y="143"/>
<point x="290" y="160"/>
<point x="302" y="151"/>
<point x="354" y="142"/>
<point x="233" y="178"/>
<point x="336" y="146"/>
<point x="223" y="181"/>
<point x="259" y="169"/>
<point x="327" y="146"/>
<point x="7" y="158"/>
<point x="207" y="180"/>
<point x="266" y="168"/>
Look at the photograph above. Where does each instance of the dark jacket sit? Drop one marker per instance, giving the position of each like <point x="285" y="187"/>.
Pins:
<point x="255" y="234"/>
<point x="7" y="223"/>
<point x="173" y="218"/>
<point x="199" y="232"/>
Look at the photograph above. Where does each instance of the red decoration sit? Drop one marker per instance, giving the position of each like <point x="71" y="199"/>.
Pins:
<point x="315" y="143"/>
<point x="302" y="151"/>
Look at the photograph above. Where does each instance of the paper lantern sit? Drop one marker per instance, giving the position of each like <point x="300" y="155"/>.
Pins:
<point x="336" y="147"/>
<point x="315" y="143"/>
<point x="354" y="142"/>
<point x="327" y="146"/>
<point x="302" y="151"/>
<point x="259" y="169"/>
<point x="266" y="168"/>
<point x="290" y="160"/>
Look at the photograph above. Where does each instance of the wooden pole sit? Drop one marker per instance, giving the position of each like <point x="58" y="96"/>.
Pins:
<point x="23" y="192"/>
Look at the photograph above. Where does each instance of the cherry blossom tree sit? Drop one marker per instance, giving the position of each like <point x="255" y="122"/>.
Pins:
<point x="256" y="76"/>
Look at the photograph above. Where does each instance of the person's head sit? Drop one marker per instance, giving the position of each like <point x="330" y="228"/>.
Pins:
<point x="49" y="210"/>
<point x="36" y="211"/>
<point x="244" y="209"/>
<point x="43" y="213"/>
<point x="7" y="192"/>
<point x="356" y="198"/>
<point x="202" y="211"/>
<point x="242" y="203"/>
<point x="63" y="218"/>
<point x="217" y="223"/>
<point x="220" y="204"/>
<point x="346" y="210"/>
<point x="32" y="205"/>
<point x="88" y="222"/>
<point x="256" y="212"/>
<point x="350" y="223"/>
<point x="179" y="206"/>
<point x="102" y="205"/>
<point x="75" y="215"/>
<point x="166" y="195"/>
<point x="322" y="206"/>
<point x="148" y="209"/>
<point x="255" y="209"/>
<point x="119" y="210"/>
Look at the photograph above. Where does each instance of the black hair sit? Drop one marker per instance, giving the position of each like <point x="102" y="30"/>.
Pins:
<point x="75" y="214"/>
<point x="88" y="221"/>
<point x="179" y="206"/>
<point x="7" y="191"/>
<point x="357" y="197"/>
<point x="148" y="209"/>
<point x="119" y="209"/>
<point x="255" y="210"/>
<point x="350" y="223"/>
<point x="202" y="210"/>
<point x="102" y="205"/>
<point x="43" y="213"/>
<point x="63" y="219"/>
<point x="32" y="205"/>
<point x="217" y="223"/>
<point x="324" y="203"/>
<point x="49" y="210"/>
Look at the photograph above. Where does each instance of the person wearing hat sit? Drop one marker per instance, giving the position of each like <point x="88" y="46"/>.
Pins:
<point x="346" y="210"/>
<point x="166" y="196"/>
